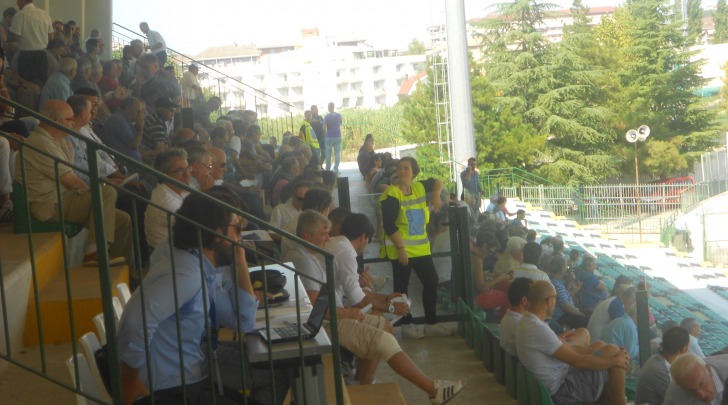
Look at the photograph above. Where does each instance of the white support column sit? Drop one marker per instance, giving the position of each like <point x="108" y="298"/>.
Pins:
<point x="459" y="77"/>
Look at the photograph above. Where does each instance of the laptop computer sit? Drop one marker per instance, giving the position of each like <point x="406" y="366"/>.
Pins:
<point x="309" y="330"/>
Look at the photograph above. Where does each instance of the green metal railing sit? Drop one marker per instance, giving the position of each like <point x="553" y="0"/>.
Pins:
<point x="234" y="93"/>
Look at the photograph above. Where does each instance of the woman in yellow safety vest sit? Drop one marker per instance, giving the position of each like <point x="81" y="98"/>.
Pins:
<point x="405" y="215"/>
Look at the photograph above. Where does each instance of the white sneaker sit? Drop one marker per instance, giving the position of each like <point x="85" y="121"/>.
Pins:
<point x="446" y="390"/>
<point x="413" y="331"/>
<point x="437" y="329"/>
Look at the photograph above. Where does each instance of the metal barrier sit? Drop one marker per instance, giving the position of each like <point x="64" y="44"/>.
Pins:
<point x="275" y="116"/>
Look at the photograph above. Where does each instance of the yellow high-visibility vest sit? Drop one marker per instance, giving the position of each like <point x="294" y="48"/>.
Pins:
<point x="411" y="221"/>
<point x="309" y="137"/>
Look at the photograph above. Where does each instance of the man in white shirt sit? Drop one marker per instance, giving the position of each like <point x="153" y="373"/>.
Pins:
<point x="571" y="374"/>
<point x="287" y="211"/>
<point x="173" y="163"/>
<point x="600" y="317"/>
<point x="32" y="29"/>
<point x="518" y="297"/>
<point x="697" y="381"/>
<point x="529" y="267"/>
<point x="157" y="45"/>
<point x="191" y="87"/>
<point x="367" y="336"/>
<point x="693" y="327"/>
<point x="317" y="199"/>
<point x="200" y="163"/>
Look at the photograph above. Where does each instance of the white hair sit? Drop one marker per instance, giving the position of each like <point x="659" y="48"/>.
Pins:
<point x="684" y="365"/>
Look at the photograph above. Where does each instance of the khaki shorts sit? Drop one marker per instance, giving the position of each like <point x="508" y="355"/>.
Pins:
<point x="361" y="338"/>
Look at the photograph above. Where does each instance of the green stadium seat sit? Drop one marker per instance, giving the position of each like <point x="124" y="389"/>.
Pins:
<point x="510" y="372"/>
<point x="21" y="224"/>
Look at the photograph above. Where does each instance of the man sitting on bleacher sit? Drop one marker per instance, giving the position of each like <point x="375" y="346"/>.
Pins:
<point x="600" y="317"/>
<point x="571" y="374"/>
<point x="174" y="292"/>
<point x="518" y="298"/>
<point x="367" y="336"/>
<point x="697" y="381"/>
<point x="75" y="193"/>
<point x="654" y="376"/>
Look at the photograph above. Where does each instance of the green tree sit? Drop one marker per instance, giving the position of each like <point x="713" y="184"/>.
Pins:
<point x="580" y="19"/>
<point x="720" y="19"/>
<point x="416" y="47"/>
<point x="658" y="82"/>
<point x="695" y="20"/>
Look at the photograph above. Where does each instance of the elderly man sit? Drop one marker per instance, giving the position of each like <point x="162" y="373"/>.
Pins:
<point x="123" y="131"/>
<point x="155" y="138"/>
<point x="512" y="257"/>
<point x="58" y="86"/>
<point x="153" y="83"/>
<point x="173" y="163"/>
<point x="286" y="212"/>
<point x="599" y="319"/>
<point x="157" y="46"/>
<point x="571" y="374"/>
<point x="129" y="66"/>
<point x="697" y="381"/>
<point x="200" y="161"/>
<point x="219" y="164"/>
<point x="654" y="377"/>
<point x="693" y="327"/>
<point x="31" y="29"/>
<point x="75" y="193"/>
<point x="186" y="290"/>
<point x="593" y="290"/>
<point x="191" y="89"/>
<point x="367" y="336"/>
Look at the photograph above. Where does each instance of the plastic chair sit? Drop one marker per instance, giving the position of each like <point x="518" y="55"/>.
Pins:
<point x="118" y="309"/>
<point x="100" y="328"/>
<point x="84" y="375"/>
<point x="22" y="226"/>
<point x="523" y="377"/>
<point x="124" y="293"/>
<point x="498" y="362"/>
<point x="89" y="345"/>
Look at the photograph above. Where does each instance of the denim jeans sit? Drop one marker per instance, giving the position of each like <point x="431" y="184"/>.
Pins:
<point x="334" y="143"/>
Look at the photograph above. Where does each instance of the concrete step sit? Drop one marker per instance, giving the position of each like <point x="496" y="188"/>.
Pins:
<point x="376" y="394"/>
<point x="85" y="289"/>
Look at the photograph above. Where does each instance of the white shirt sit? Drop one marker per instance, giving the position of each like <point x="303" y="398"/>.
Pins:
<point x="33" y="26"/>
<point x="346" y="278"/>
<point x="694" y="347"/>
<point x="189" y="83"/>
<point x="529" y="271"/>
<point x="155" y="38"/>
<point x="290" y="227"/>
<point x="283" y="214"/>
<point x="536" y="344"/>
<point x="508" y="327"/>
<point x="599" y="319"/>
<point x="155" y="220"/>
<point x="309" y="264"/>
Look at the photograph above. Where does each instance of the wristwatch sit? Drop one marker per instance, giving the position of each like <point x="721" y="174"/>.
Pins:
<point x="391" y="308"/>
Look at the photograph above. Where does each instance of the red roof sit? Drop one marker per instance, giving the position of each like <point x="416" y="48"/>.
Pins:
<point x="407" y="86"/>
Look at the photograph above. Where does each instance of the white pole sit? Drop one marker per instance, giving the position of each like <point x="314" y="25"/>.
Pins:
<point x="459" y="78"/>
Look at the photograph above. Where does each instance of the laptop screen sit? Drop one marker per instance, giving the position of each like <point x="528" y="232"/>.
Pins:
<point x="318" y="312"/>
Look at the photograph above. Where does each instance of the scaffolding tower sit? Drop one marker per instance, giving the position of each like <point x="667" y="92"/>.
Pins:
<point x="443" y="113"/>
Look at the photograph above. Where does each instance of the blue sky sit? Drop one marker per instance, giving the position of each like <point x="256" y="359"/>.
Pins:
<point x="192" y="26"/>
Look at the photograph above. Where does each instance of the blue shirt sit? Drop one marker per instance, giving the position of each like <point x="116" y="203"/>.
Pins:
<point x="333" y="125"/>
<point x="119" y="135"/>
<point x="622" y="332"/>
<point x="161" y="313"/>
<point x="472" y="185"/>
<point x="57" y="87"/>
<point x="589" y="295"/>
<point x="562" y="296"/>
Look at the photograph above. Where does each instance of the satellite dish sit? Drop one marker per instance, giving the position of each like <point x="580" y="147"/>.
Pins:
<point x="644" y="132"/>
<point x="632" y="136"/>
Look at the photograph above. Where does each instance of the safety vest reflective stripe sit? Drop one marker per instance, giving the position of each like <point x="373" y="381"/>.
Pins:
<point x="408" y="242"/>
<point x="408" y="203"/>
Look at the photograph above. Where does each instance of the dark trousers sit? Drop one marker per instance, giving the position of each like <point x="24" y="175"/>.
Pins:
<point x="260" y="381"/>
<point x="33" y="66"/>
<point x="425" y="270"/>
